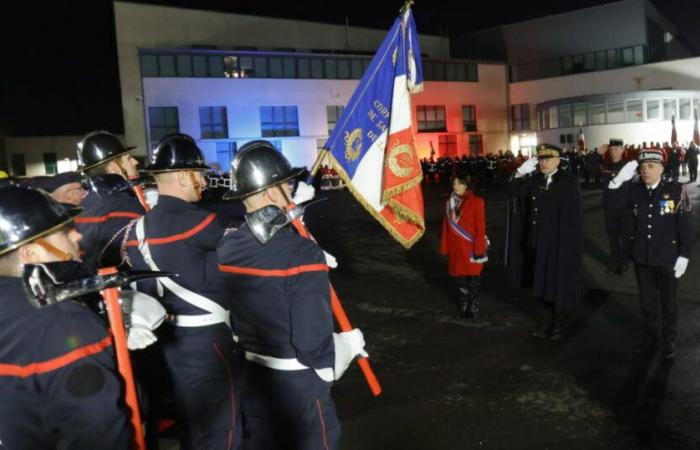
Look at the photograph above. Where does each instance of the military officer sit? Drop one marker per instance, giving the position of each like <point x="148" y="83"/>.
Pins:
<point x="110" y="204"/>
<point x="545" y="240"/>
<point x="282" y="311"/>
<point x="198" y="348"/>
<point x="615" y="201"/>
<point x="59" y="385"/>
<point x="660" y="233"/>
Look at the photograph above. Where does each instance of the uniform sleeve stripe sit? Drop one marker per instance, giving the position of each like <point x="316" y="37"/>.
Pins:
<point x="12" y="370"/>
<point x="273" y="272"/>
<point x="112" y="215"/>
<point x="176" y="237"/>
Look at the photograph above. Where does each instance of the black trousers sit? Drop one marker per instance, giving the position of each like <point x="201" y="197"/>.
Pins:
<point x="693" y="170"/>
<point x="288" y="410"/>
<point x="613" y="228"/>
<point x="657" y="294"/>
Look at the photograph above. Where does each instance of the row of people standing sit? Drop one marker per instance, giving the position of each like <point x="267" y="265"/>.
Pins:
<point x="247" y="340"/>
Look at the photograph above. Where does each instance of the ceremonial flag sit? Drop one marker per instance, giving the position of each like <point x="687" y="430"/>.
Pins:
<point x="372" y="146"/>
<point x="696" y="133"/>
<point x="581" y="140"/>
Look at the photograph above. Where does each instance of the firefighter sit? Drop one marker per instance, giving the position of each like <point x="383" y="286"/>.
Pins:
<point x="59" y="385"/>
<point x="196" y="344"/>
<point x="110" y="203"/>
<point x="279" y="284"/>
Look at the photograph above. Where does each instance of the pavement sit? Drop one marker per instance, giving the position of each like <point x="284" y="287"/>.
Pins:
<point x="486" y="384"/>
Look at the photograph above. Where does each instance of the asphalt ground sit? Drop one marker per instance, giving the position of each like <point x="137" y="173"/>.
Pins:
<point x="485" y="383"/>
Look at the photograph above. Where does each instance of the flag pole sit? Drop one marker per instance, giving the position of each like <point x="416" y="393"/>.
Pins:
<point x="343" y="321"/>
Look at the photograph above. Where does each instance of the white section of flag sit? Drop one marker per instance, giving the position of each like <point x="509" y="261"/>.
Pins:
<point x="368" y="176"/>
<point x="400" y="106"/>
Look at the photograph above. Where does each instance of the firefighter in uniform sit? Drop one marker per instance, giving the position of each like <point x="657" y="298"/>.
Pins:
<point x="59" y="387"/>
<point x="282" y="311"/>
<point x="545" y="238"/>
<point x="110" y="204"/>
<point x="615" y="201"/>
<point x="661" y="233"/>
<point x="198" y="349"/>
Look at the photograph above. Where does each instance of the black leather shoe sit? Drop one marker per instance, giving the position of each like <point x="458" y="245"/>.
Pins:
<point x="556" y="335"/>
<point x="669" y="350"/>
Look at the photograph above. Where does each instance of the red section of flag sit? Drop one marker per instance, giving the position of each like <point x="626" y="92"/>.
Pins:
<point x="581" y="140"/>
<point x="696" y="133"/>
<point x="674" y="135"/>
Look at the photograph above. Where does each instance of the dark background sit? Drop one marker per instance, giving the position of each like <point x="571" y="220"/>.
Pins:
<point x="59" y="70"/>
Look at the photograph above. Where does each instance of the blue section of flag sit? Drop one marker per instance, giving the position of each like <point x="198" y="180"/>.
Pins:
<point x="368" y="113"/>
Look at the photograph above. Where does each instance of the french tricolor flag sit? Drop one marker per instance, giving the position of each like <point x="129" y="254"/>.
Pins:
<point x="372" y="146"/>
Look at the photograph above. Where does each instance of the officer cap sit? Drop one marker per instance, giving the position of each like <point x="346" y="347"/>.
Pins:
<point x="99" y="147"/>
<point x="176" y="152"/>
<point x="50" y="184"/>
<point x="548" y="151"/>
<point x="257" y="166"/>
<point x="616" y="143"/>
<point x="28" y="213"/>
<point x="652" y="155"/>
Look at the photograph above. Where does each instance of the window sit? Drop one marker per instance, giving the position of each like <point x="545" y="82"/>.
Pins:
<point x="635" y="110"/>
<point x="669" y="108"/>
<point x="333" y="114"/>
<point x="184" y="66"/>
<point x="275" y="67"/>
<point x="566" y="138"/>
<point x="616" y="111"/>
<point x="260" y="67"/>
<point x="596" y="113"/>
<point x="289" y="68"/>
<point x="431" y="119"/>
<point x="329" y="65"/>
<point x="343" y="69"/>
<point x="447" y="144"/>
<point x="216" y="66"/>
<point x="213" y="122"/>
<point x="475" y="144"/>
<point x="316" y="68"/>
<point x="565" y="116"/>
<point x="553" y="117"/>
<point x="224" y="154"/>
<point x="304" y="68"/>
<point x="199" y="63"/>
<point x="356" y="69"/>
<point x="149" y="66"/>
<point x="473" y="73"/>
<point x="162" y="121"/>
<point x="469" y="117"/>
<point x="613" y="59"/>
<point x="684" y="109"/>
<point x="50" y="164"/>
<point x="279" y="121"/>
<point x="17" y="165"/>
<point x="589" y="63"/>
<point x="653" y="109"/>
<point x="166" y="65"/>
<point x="639" y="54"/>
<point x="544" y="119"/>
<point x="520" y="117"/>
<point x="600" y="60"/>
<point x="628" y="56"/>
<point x="246" y="68"/>
<point x="580" y="111"/>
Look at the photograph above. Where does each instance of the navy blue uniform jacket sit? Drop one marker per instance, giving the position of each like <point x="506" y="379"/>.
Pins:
<point x="280" y="295"/>
<point x="59" y="386"/>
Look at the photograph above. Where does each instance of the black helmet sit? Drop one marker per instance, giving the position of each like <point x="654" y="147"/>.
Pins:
<point x="177" y="152"/>
<point x="99" y="147"/>
<point x="257" y="166"/>
<point x="27" y="214"/>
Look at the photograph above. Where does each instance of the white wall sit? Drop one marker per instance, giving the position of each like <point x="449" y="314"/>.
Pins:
<point x="151" y="26"/>
<point x="34" y="148"/>
<point x="243" y="96"/>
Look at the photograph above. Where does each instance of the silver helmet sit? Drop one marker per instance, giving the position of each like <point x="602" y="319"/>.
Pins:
<point x="257" y="166"/>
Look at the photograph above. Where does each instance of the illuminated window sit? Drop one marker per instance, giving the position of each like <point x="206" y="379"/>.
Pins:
<point x="669" y="108"/>
<point x="475" y="144"/>
<point x="565" y="116"/>
<point x="635" y="110"/>
<point x="596" y="113"/>
<point x="520" y="117"/>
<point x="616" y="111"/>
<point x="447" y="144"/>
<point x="653" y="109"/>
<point x="224" y="154"/>
<point x="431" y="119"/>
<point x="469" y="117"/>
<point x="50" y="164"/>
<point x="279" y="121"/>
<point x="333" y="113"/>
<point x="684" y="112"/>
<point x="213" y="122"/>
<point x="162" y="122"/>
<point x="580" y="111"/>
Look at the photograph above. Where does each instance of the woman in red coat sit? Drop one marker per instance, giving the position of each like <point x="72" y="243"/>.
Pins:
<point x="464" y="242"/>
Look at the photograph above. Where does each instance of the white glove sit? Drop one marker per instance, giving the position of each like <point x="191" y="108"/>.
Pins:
<point x="304" y="193"/>
<point x="330" y="260"/>
<point x="480" y="260"/>
<point x="347" y="345"/>
<point x="528" y="166"/>
<point x="625" y="174"/>
<point x="139" y="338"/>
<point x="146" y="311"/>
<point x="681" y="265"/>
<point x="151" y="196"/>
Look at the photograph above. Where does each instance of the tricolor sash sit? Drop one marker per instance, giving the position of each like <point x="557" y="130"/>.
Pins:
<point x="453" y="221"/>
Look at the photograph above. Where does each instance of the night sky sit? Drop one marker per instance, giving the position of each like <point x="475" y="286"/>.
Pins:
<point x="59" y="69"/>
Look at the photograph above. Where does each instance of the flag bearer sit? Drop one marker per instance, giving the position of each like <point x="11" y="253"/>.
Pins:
<point x="278" y="281"/>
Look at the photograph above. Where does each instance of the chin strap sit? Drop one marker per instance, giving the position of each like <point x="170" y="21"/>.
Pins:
<point x="55" y="251"/>
<point x="196" y="185"/>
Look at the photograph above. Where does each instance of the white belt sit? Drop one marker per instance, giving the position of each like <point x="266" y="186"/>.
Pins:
<point x="288" y="364"/>
<point x="200" y="320"/>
